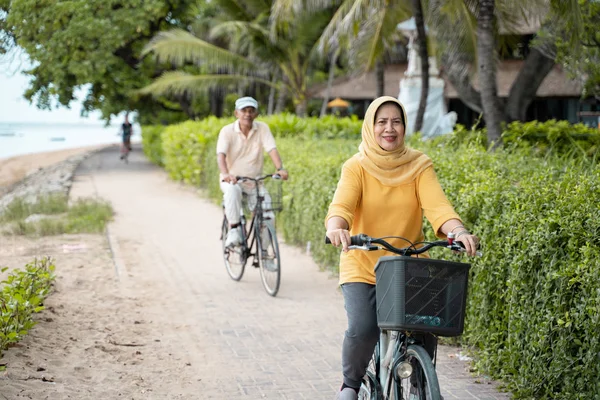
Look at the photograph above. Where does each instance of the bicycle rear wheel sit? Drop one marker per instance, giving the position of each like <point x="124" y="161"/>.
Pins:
<point x="423" y="382"/>
<point x="235" y="257"/>
<point x="269" y="259"/>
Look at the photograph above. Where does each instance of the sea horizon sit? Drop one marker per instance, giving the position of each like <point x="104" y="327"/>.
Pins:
<point x="21" y="138"/>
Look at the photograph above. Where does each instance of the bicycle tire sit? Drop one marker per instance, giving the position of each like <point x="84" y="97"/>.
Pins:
<point x="423" y="383"/>
<point x="235" y="258"/>
<point x="269" y="260"/>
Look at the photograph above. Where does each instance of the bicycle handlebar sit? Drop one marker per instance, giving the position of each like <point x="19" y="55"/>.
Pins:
<point x="260" y="178"/>
<point x="365" y="242"/>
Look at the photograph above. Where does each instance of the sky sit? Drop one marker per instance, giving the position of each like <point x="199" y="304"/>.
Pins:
<point x="15" y="108"/>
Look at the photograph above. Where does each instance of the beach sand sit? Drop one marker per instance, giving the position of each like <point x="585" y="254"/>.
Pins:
<point x="15" y="168"/>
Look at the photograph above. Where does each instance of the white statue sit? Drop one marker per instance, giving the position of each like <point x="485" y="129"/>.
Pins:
<point x="436" y="121"/>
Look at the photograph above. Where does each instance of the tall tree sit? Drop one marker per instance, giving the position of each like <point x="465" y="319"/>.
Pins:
<point x="88" y="43"/>
<point x="424" y="56"/>
<point x="486" y="69"/>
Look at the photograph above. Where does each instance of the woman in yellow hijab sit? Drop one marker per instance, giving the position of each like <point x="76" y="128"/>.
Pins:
<point x="384" y="190"/>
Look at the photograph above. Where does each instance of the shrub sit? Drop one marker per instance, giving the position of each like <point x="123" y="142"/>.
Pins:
<point x="152" y="143"/>
<point x="21" y="295"/>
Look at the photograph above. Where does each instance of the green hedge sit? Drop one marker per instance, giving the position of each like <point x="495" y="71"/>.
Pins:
<point x="152" y="143"/>
<point x="534" y="296"/>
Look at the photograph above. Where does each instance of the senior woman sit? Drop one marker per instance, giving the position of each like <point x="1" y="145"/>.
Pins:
<point x="384" y="190"/>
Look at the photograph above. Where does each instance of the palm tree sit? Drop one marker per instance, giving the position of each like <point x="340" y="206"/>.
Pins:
<point x="487" y="71"/>
<point x="368" y="27"/>
<point x="424" y="56"/>
<point x="454" y="23"/>
<point x="258" y="51"/>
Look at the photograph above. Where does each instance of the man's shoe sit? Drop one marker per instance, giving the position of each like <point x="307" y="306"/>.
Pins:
<point x="234" y="237"/>
<point x="268" y="261"/>
<point x="347" y="394"/>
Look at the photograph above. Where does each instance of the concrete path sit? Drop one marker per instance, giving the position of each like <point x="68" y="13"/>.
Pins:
<point x="238" y="342"/>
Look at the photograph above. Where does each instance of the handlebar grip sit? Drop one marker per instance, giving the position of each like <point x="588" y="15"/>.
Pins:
<point x="356" y="240"/>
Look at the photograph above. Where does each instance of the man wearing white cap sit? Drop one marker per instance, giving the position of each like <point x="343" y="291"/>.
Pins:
<point x="240" y="148"/>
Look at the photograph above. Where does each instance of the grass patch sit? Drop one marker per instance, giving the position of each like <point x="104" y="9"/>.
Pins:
<point x="20" y="209"/>
<point x="56" y="216"/>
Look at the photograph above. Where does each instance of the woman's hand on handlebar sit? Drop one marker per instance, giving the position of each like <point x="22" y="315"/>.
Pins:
<point x="470" y="242"/>
<point x="339" y="236"/>
<point x="229" y="179"/>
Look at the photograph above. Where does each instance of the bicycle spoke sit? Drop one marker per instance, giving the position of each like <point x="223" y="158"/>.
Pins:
<point x="234" y="257"/>
<point x="269" y="260"/>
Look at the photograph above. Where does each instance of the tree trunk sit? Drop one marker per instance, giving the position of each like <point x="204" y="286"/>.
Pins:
<point x="492" y="107"/>
<point x="215" y="99"/>
<point x="334" y="58"/>
<point x="535" y="69"/>
<point x="456" y="69"/>
<point x="281" y="99"/>
<point x="302" y="107"/>
<point x="423" y="54"/>
<point x="272" y="91"/>
<point x="380" y="77"/>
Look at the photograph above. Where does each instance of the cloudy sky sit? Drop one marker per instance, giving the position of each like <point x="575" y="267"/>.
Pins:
<point x="14" y="108"/>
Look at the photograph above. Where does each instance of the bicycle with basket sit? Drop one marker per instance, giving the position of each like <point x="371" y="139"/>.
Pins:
<point x="259" y="238"/>
<point x="417" y="299"/>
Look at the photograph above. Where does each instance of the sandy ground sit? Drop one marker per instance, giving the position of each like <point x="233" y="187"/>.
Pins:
<point x="147" y="311"/>
<point x="14" y="169"/>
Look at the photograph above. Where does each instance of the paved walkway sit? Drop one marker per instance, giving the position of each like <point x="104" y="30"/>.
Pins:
<point x="240" y="343"/>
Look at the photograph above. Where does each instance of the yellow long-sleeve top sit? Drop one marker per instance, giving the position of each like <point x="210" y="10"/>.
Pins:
<point x="377" y="210"/>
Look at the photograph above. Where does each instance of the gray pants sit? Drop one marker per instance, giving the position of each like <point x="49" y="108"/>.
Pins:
<point x="362" y="333"/>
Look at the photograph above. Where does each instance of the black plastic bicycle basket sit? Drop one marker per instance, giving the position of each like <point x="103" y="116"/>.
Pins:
<point x="421" y="294"/>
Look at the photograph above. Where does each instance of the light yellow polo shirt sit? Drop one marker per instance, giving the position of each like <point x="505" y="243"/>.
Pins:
<point x="377" y="210"/>
<point x="244" y="154"/>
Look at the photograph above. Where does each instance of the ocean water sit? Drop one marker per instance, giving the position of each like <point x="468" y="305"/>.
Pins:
<point x="26" y="138"/>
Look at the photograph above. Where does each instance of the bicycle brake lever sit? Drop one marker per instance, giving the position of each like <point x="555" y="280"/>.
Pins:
<point x="462" y="249"/>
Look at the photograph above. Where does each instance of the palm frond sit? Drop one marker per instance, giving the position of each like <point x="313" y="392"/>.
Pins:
<point x="453" y="24"/>
<point x="180" y="47"/>
<point x="178" y="83"/>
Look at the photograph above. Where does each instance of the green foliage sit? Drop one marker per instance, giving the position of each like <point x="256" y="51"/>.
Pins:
<point x="533" y="296"/>
<point x="328" y="127"/>
<point x="21" y="295"/>
<point x="582" y="58"/>
<point x="538" y="139"/>
<point x="152" y="143"/>
<point x="90" y="42"/>
<point x="185" y="147"/>
<point x="58" y="217"/>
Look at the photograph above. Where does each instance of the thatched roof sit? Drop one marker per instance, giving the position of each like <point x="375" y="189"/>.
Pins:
<point x="363" y="87"/>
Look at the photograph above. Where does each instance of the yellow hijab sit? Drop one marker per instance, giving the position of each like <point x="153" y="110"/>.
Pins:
<point x="391" y="168"/>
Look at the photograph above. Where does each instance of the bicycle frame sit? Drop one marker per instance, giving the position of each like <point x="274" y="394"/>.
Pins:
<point x="257" y="217"/>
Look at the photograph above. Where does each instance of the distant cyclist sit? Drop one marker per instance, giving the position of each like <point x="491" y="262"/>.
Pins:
<point x="240" y="148"/>
<point x="126" y="132"/>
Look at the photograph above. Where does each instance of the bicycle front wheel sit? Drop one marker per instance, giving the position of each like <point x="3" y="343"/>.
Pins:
<point x="422" y="384"/>
<point x="269" y="259"/>
<point x="235" y="257"/>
